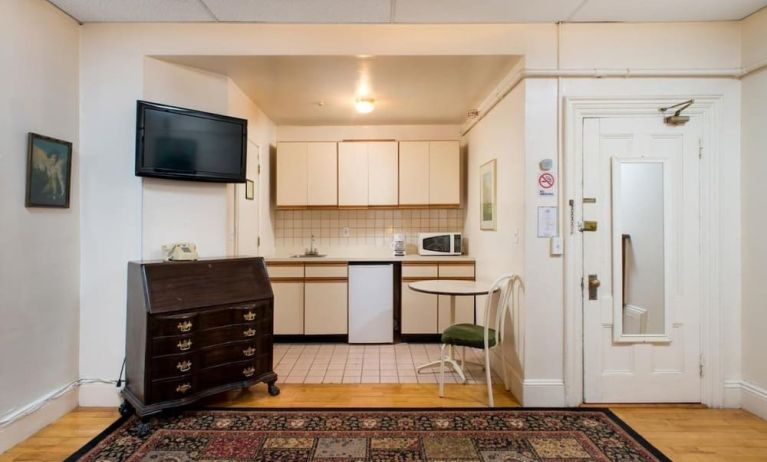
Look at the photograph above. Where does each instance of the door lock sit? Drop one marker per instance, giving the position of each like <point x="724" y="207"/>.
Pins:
<point x="588" y="226"/>
<point x="594" y="284"/>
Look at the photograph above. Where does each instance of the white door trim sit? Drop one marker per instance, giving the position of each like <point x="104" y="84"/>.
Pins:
<point x="709" y="109"/>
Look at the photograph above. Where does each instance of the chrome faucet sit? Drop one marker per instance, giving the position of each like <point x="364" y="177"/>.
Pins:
<point x="312" y="249"/>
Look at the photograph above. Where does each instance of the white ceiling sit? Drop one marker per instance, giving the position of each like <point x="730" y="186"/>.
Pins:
<point x="407" y="11"/>
<point x="407" y="89"/>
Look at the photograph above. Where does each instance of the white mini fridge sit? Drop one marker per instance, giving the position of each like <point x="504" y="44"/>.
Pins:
<point x="371" y="303"/>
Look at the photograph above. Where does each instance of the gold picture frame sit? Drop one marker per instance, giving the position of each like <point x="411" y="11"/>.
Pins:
<point x="488" y="209"/>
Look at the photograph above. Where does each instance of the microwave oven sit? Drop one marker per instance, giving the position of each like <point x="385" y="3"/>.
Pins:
<point x="439" y="244"/>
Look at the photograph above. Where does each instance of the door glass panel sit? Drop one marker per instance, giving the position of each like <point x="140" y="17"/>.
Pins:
<point x="639" y="237"/>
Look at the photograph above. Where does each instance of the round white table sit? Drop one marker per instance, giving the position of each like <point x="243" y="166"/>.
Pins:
<point x="453" y="289"/>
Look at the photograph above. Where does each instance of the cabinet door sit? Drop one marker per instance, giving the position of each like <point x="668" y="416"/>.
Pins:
<point x="414" y="173"/>
<point x="291" y="174"/>
<point x="383" y="173"/>
<point x="419" y="312"/>
<point x="326" y="308"/>
<point x="444" y="173"/>
<point x="288" y="307"/>
<point x="352" y="174"/>
<point x="464" y="311"/>
<point x="322" y="174"/>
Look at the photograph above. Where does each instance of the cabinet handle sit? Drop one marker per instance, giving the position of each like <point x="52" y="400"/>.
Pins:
<point x="249" y="333"/>
<point x="184" y="345"/>
<point x="248" y="352"/>
<point x="185" y="326"/>
<point x="184" y="366"/>
<point x="184" y="387"/>
<point x="249" y="371"/>
<point x="249" y="316"/>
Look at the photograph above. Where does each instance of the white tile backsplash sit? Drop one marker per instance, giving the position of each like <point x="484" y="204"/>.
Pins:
<point x="371" y="228"/>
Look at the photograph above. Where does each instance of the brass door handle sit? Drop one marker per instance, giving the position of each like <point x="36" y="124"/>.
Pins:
<point x="594" y="284"/>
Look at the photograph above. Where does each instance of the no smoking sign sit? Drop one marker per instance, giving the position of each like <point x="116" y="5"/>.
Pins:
<point x="546" y="182"/>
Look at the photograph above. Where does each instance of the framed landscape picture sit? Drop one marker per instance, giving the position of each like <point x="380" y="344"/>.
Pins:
<point x="487" y="199"/>
<point x="49" y="172"/>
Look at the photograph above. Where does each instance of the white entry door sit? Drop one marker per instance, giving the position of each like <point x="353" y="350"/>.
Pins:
<point x="641" y="253"/>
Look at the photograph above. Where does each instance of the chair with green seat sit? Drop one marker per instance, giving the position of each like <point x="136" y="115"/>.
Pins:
<point x="482" y="337"/>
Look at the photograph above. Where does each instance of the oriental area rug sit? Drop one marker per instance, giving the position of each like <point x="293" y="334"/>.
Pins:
<point x="383" y="435"/>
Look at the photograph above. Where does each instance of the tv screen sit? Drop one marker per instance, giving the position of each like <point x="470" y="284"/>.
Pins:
<point x="184" y="144"/>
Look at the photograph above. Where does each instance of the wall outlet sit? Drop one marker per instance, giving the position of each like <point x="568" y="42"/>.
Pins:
<point x="345" y="232"/>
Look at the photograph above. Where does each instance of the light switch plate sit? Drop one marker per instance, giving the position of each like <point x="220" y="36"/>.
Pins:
<point x="555" y="246"/>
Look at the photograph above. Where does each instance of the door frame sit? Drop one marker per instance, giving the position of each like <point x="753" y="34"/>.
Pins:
<point x="709" y="109"/>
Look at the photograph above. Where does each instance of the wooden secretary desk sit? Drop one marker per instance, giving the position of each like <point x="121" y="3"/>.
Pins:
<point x="194" y="329"/>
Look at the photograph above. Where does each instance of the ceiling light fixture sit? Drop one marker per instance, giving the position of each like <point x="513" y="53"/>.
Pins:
<point x="365" y="105"/>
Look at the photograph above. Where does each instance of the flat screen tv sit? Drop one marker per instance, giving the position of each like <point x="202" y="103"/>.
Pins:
<point x="183" y="144"/>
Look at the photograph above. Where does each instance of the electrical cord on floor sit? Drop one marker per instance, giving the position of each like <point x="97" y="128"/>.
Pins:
<point x="16" y="414"/>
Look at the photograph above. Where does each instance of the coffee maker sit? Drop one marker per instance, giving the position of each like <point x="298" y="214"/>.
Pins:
<point x="398" y="245"/>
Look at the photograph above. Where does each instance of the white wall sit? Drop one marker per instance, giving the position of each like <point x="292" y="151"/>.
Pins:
<point x="112" y="76"/>
<point x="185" y="210"/>
<point x="500" y="136"/>
<point x="254" y="218"/>
<point x="754" y="193"/>
<point x="39" y="248"/>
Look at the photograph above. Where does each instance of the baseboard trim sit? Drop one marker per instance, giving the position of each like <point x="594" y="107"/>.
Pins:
<point x="99" y="395"/>
<point x="23" y="423"/>
<point x="753" y="399"/>
<point x="732" y="394"/>
<point x="543" y="393"/>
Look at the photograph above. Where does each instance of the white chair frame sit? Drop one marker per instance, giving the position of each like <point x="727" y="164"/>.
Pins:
<point x="506" y="284"/>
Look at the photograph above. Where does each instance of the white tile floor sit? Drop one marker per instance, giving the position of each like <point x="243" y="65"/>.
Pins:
<point x="343" y="363"/>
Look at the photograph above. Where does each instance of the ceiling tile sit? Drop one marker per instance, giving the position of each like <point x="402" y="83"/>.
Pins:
<point x="302" y="11"/>
<point x="667" y="11"/>
<point x="483" y="11"/>
<point x="135" y="10"/>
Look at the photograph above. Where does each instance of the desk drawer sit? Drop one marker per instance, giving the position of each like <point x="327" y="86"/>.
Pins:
<point x="233" y="372"/>
<point x="419" y="271"/>
<point x="173" y="389"/>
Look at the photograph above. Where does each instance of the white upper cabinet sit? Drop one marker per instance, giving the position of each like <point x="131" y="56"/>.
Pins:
<point x="414" y="173"/>
<point x="352" y="174"/>
<point x="292" y="177"/>
<point x="382" y="173"/>
<point x="429" y="173"/>
<point x="322" y="174"/>
<point x="444" y="173"/>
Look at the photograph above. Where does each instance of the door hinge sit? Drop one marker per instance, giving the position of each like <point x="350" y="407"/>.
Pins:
<point x="258" y="241"/>
<point x="700" y="366"/>
<point x="259" y="169"/>
<point x="581" y="287"/>
<point x="700" y="148"/>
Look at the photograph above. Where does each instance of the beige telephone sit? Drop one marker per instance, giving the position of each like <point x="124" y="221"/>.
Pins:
<point x="180" y="251"/>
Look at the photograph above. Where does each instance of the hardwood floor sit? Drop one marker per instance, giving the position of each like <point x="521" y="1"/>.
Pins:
<point x="684" y="433"/>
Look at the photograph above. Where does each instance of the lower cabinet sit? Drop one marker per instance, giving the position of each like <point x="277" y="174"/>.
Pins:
<point x="288" y="307"/>
<point x="325" y="308"/>
<point x="419" y="311"/>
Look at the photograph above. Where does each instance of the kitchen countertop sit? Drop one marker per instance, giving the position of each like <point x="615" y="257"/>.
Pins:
<point x="372" y="258"/>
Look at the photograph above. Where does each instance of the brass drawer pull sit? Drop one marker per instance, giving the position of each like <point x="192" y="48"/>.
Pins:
<point x="248" y="352"/>
<point x="185" y="326"/>
<point x="184" y="366"/>
<point x="184" y="345"/>
<point x="184" y="387"/>
<point x="249" y="316"/>
<point x="249" y="333"/>
<point x="249" y="371"/>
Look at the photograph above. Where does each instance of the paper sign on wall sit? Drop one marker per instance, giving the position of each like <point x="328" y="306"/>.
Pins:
<point x="547" y="222"/>
<point x="547" y="184"/>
